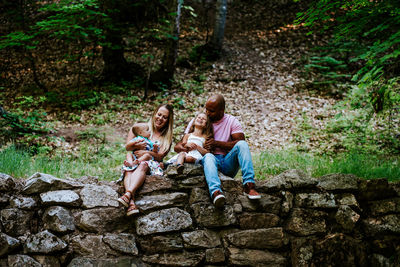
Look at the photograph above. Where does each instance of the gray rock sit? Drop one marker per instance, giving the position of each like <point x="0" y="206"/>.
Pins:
<point x="20" y="202"/>
<point x="305" y="222"/>
<point x="91" y="246"/>
<point x="375" y="189"/>
<point x="16" y="222"/>
<point x="302" y="251"/>
<point x="60" y="197"/>
<point x="199" y="195"/>
<point x="347" y="218"/>
<point x="287" y="202"/>
<point x="339" y="182"/>
<point x="348" y="200"/>
<point x="201" y="239"/>
<point x="41" y="182"/>
<point x="162" y="221"/>
<point x="290" y="179"/>
<point x="22" y="261"/>
<point x="189" y="170"/>
<point x="155" y="183"/>
<point x="99" y="220"/>
<point x="230" y="184"/>
<point x="382" y="225"/>
<point x="161" y="244"/>
<point x="315" y="200"/>
<point x="209" y="216"/>
<point x="146" y="203"/>
<point x="44" y="242"/>
<point x="258" y="220"/>
<point x="175" y="259"/>
<point x="251" y="257"/>
<point x="382" y="207"/>
<point x="380" y="260"/>
<point x="258" y="239"/>
<point x="7" y="183"/>
<point x="215" y="255"/>
<point x="47" y="261"/>
<point x="4" y="199"/>
<point x="191" y="182"/>
<point x="58" y="219"/>
<point x="267" y="203"/>
<point x="119" y="262"/>
<point x="124" y="243"/>
<point x="7" y="244"/>
<point x="98" y="196"/>
<point x="339" y="248"/>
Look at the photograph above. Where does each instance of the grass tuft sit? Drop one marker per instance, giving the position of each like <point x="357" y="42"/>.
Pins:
<point x="366" y="166"/>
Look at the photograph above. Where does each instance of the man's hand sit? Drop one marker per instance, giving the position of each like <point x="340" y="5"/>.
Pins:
<point x="210" y="144"/>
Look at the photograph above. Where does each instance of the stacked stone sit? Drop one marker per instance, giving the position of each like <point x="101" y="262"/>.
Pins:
<point x="299" y="221"/>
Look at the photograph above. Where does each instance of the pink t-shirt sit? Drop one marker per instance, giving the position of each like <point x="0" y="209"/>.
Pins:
<point x="223" y="129"/>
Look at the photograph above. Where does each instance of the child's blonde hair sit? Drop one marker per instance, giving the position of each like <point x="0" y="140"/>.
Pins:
<point x="208" y="131"/>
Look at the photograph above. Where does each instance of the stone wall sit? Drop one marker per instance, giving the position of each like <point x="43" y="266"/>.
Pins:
<point x="300" y="221"/>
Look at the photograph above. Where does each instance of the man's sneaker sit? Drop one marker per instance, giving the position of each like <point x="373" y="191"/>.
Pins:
<point x="250" y="191"/>
<point x="218" y="199"/>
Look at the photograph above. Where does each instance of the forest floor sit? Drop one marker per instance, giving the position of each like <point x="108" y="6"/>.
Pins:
<point x="260" y="74"/>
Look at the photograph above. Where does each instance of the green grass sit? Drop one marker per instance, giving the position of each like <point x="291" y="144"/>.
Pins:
<point x="366" y="166"/>
<point x="104" y="163"/>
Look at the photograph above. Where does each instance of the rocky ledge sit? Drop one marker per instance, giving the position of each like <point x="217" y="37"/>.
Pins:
<point x="300" y="221"/>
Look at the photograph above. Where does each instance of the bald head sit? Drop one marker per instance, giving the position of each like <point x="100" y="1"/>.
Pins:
<point x="218" y="100"/>
<point x="215" y="107"/>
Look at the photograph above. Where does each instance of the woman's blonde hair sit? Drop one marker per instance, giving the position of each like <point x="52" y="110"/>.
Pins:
<point x="167" y="131"/>
<point x="208" y="130"/>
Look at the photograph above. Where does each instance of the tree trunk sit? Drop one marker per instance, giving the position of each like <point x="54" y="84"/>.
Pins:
<point x="219" y="28"/>
<point x="165" y="75"/>
<point x="116" y="68"/>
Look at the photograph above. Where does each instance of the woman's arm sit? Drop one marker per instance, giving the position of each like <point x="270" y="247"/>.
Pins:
<point x="135" y="144"/>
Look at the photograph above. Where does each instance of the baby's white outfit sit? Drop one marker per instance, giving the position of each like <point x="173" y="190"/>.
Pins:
<point x="193" y="153"/>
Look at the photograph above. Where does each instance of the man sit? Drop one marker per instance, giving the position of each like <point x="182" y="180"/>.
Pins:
<point x="229" y="149"/>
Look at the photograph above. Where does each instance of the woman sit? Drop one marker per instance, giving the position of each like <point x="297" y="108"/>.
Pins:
<point x="159" y="131"/>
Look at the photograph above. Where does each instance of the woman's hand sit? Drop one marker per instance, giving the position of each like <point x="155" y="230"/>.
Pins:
<point x="136" y="145"/>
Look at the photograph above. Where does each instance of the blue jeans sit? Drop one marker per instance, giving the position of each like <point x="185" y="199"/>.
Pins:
<point x="229" y="164"/>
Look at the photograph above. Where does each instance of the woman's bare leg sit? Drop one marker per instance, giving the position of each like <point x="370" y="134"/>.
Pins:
<point x="133" y="180"/>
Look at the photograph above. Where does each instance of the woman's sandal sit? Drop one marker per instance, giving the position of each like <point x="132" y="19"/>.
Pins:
<point x="125" y="198"/>
<point x="133" y="209"/>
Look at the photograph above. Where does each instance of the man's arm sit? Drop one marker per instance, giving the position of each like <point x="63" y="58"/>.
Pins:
<point x="227" y="146"/>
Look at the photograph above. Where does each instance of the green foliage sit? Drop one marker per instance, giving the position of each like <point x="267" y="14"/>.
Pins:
<point x="72" y="21"/>
<point x="328" y="69"/>
<point x="363" y="165"/>
<point x="366" y="32"/>
<point x="28" y="119"/>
